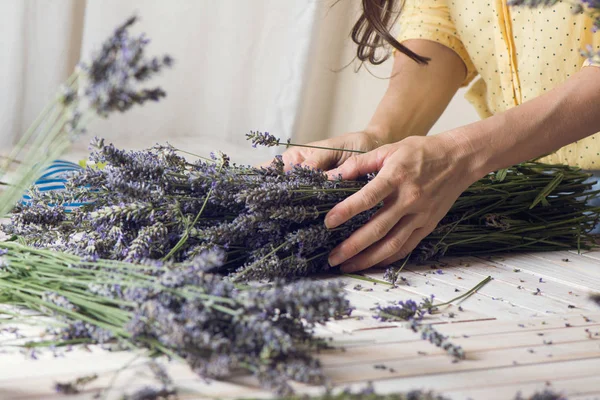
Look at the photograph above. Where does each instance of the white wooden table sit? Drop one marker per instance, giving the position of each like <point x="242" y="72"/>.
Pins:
<point x="515" y="340"/>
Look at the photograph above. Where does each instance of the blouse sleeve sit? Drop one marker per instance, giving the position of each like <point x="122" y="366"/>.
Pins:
<point x="430" y="20"/>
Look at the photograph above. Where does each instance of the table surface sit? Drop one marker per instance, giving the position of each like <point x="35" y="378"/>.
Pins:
<point x="516" y="337"/>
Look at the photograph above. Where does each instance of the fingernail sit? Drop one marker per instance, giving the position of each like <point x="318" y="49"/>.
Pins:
<point x="332" y="221"/>
<point x="347" y="268"/>
<point x="335" y="258"/>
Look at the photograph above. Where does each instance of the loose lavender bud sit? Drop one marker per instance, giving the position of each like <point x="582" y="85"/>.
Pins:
<point x="74" y="387"/>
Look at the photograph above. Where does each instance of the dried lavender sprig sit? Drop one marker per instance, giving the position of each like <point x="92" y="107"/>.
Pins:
<point x="414" y="312"/>
<point x="429" y="333"/>
<point x="408" y="310"/>
<point x="109" y="83"/>
<point x="265" y="139"/>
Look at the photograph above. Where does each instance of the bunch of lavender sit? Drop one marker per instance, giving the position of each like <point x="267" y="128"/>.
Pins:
<point x="267" y="223"/>
<point x="110" y="83"/>
<point x="178" y="311"/>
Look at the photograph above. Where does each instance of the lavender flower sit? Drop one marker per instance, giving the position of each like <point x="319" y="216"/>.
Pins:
<point x="117" y="69"/>
<point x="262" y="139"/>
<point x="59" y="301"/>
<point x="429" y="333"/>
<point x="404" y="311"/>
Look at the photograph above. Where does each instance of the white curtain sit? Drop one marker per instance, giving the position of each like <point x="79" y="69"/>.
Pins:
<point x="39" y="45"/>
<point x="240" y="65"/>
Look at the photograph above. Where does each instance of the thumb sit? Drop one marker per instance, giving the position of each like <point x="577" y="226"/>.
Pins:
<point x="358" y="165"/>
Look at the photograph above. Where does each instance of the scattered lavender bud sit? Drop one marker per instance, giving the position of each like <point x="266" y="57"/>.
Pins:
<point x="74" y="387"/>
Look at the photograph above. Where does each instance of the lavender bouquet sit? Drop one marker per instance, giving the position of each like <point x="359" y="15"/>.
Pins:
<point x="268" y="224"/>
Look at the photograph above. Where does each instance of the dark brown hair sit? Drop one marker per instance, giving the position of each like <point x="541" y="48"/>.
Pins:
<point x="372" y="31"/>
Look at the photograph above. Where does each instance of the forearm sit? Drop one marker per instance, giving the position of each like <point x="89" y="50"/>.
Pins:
<point x="540" y="126"/>
<point x="417" y="94"/>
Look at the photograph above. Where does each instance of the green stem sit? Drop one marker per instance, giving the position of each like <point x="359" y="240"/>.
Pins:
<point x="320" y="147"/>
<point x="367" y="279"/>
<point x="467" y="294"/>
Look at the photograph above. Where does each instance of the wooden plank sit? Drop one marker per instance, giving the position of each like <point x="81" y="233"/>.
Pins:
<point x="364" y="303"/>
<point x="574" y="274"/>
<point x="21" y="378"/>
<point x="523" y="281"/>
<point x="484" y="379"/>
<point x="424" y="286"/>
<point x="501" y="291"/>
<point x="391" y="351"/>
<point x="587" y="387"/>
<point x="475" y="328"/>
<point x="435" y="364"/>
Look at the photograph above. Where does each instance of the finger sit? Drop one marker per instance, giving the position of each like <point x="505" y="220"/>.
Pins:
<point x="359" y="165"/>
<point x="366" y="198"/>
<point x="392" y="244"/>
<point x="321" y="160"/>
<point x="413" y="241"/>
<point x="377" y="227"/>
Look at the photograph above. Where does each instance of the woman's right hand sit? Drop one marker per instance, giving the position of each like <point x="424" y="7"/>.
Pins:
<point x="328" y="159"/>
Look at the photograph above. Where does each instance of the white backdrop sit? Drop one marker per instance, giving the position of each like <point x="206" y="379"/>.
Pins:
<point x="241" y="65"/>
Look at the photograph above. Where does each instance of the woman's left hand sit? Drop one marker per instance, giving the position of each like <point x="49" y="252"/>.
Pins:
<point x="418" y="180"/>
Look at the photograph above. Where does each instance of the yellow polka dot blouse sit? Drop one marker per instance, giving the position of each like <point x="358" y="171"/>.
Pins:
<point x="517" y="52"/>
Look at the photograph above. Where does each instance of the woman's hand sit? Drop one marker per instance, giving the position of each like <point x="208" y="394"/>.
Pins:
<point x="326" y="159"/>
<point x="418" y="180"/>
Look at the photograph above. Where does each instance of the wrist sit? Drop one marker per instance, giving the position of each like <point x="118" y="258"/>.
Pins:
<point x="467" y="153"/>
<point x="379" y="134"/>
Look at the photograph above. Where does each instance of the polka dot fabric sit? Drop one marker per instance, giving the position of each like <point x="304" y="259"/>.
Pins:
<point x="515" y="53"/>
